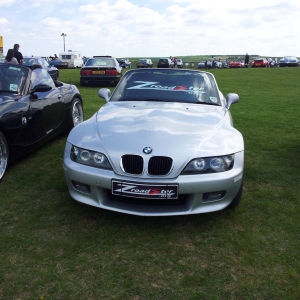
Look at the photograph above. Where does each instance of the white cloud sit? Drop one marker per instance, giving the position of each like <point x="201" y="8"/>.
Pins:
<point x="154" y="28"/>
<point x="3" y="21"/>
<point x="7" y="3"/>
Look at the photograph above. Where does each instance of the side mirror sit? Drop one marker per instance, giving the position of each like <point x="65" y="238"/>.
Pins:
<point x="105" y="94"/>
<point x="41" y="88"/>
<point x="231" y="99"/>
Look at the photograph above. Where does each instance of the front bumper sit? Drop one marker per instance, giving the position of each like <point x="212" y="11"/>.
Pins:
<point x="192" y="189"/>
<point x="98" y="79"/>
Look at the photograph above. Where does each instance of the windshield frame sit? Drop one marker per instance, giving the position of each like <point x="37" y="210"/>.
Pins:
<point x="135" y="87"/>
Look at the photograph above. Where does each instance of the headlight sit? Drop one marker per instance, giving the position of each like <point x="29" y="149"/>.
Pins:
<point x="209" y="165"/>
<point x="90" y="158"/>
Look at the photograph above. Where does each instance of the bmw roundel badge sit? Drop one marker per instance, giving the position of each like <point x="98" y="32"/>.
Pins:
<point x="147" y="150"/>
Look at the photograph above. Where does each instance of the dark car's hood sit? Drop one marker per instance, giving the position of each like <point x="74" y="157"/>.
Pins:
<point x="8" y="97"/>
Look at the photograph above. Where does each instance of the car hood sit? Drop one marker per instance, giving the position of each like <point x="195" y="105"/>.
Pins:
<point x="181" y="131"/>
<point x="8" y="97"/>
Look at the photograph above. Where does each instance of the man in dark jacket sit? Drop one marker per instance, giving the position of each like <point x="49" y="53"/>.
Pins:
<point x="18" y="55"/>
<point x="246" y="59"/>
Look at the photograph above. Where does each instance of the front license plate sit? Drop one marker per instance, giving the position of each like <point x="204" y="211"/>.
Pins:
<point x="98" y="72"/>
<point x="145" y="190"/>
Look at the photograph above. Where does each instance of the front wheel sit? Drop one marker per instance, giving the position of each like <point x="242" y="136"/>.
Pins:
<point x="76" y="113"/>
<point x="4" y="154"/>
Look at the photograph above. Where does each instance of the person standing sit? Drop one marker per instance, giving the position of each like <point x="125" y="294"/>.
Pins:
<point x="247" y="60"/>
<point x="18" y="55"/>
<point x="10" y="58"/>
<point x="175" y="62"/>
<point x="213" y="62"/>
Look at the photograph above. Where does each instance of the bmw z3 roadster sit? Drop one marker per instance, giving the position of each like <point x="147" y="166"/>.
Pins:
<point x="163" y="144"/>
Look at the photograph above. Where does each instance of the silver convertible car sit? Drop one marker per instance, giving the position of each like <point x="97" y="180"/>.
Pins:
<point x="164" y="144"/>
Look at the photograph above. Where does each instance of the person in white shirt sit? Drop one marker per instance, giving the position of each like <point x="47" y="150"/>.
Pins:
<point x="10" y="57"/>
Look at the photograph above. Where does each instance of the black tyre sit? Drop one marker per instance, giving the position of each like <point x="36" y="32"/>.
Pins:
<point x="82" y="82"/>
<point x="76" y="114"/>
<point x="237" y="199"/>
<point x="4" y="154"/>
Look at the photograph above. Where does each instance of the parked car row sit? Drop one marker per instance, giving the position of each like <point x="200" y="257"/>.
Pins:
<point x="261" y="62"/>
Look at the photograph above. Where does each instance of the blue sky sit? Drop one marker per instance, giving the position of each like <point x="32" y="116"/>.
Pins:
<point x="152" y="28"/>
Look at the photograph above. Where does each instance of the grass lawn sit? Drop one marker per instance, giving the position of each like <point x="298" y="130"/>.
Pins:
<point x="52" y="247"/>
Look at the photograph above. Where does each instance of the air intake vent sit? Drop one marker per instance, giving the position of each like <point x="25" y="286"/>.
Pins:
<point x="159" y="165"/>
<point x="133" y="164"/>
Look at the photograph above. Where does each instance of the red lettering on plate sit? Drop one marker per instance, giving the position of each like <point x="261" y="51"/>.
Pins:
<point x="180" y="88"/>
<point x="154" y="192"/>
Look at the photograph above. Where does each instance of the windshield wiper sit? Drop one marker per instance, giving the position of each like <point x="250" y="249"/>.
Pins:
<point x="156" y="100"/>
<point x="143" y="99"/>
<point x="207" y="103"/>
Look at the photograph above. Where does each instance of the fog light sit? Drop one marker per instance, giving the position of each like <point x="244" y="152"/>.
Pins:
<point x="213" y="196"/>
<point x="81" y="187"/>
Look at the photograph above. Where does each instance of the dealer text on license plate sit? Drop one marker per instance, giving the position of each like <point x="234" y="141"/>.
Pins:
<point x="145" y="190"/>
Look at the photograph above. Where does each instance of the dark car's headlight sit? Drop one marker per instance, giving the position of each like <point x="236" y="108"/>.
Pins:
<point x="90" y="158"/>
<point x="209" y="165"/>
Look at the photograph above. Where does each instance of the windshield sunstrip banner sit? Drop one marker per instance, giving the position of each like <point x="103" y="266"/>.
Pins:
<point x="148" y="85"/>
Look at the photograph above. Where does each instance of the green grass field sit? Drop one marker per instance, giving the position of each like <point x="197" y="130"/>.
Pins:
<point x="52" y="247"/>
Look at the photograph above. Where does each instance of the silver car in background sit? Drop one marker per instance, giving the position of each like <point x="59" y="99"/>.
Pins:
<point x="163" y="144"/>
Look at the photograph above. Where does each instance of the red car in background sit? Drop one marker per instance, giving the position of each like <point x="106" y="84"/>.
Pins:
<point x="260" y="63"/>
<point x="236" y="64"/>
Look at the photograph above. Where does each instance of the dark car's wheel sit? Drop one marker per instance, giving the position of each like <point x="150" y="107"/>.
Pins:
<point x="82" y="82"/>
<point x="4" y="154"/>
<point x="76" y="113"/>
<point x="237" y="199"/>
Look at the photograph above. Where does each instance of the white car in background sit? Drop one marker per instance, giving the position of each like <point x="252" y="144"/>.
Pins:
<point x="179" y="63"/>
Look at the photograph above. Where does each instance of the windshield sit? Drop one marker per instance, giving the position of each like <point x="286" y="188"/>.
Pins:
<point x="100" y="62"/>
<point x="28" y="61"/>
<point x="12" y="77"/>
<point x="167" y="86"/>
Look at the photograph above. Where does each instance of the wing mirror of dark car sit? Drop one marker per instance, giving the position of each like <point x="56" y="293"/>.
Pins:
<point x="105" y="94"/>
<point x="41" y="88"/>
<point x="231" y="99"/>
